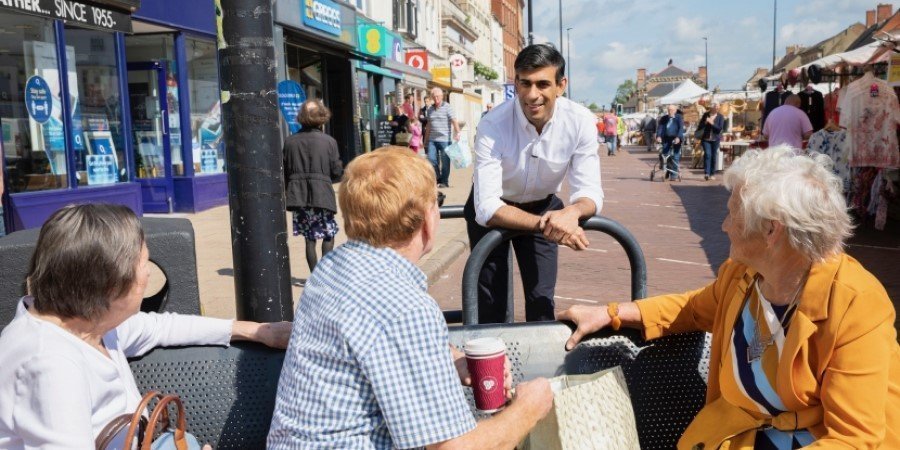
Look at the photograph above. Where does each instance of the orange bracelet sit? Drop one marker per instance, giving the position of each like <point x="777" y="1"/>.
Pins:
<point x="613" y="310"/>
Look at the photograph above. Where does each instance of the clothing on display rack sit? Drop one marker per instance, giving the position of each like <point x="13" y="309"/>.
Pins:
<point x="812" y="102"/>
<point x="772" y="100"/>
<point x="833" y="144"/>
<point x="831" y="109"/>
<point x="871" y="114"/>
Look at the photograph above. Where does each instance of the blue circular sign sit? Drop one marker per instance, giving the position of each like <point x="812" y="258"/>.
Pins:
<point x="38" y="100"/>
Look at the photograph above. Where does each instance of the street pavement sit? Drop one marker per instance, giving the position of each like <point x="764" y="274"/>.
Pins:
<point x="215" y="269"/>
<point x="677" y="224"/>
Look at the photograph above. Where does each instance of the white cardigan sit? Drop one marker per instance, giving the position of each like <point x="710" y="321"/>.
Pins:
<point x="58" y="392"/>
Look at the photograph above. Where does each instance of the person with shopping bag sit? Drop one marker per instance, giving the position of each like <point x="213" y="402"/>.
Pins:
<point x="804" y="350"/>
<point x="64" y="371"/>
<point x="524" y="149"/>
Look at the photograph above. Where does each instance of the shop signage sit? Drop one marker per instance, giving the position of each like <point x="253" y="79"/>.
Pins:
<point x="458" y="63"/>
<point x="37" y="99"/>
<point x="101" y="169"/>
<point x="893" y="75"/>
<point x="373" y="40"/>
<point x="417" y="59"/>
<point x="290" y="98"/>
<point x="441" y="75"/>
<point x="209" y="160"/>
<point x="322" y="15"/>
<point x="79" y="13"/>
<point x="509" y="91"/>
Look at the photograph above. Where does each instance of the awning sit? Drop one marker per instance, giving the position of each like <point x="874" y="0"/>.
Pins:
<point x="379" y="70"/>
<point x="406" y="69"/>
<point x="437" y="82"/>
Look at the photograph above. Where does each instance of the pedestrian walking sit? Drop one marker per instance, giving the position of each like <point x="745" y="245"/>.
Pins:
<point x="311" y="164"/>
<point x="788" y="124"/>
<point x="400" y="126"/>
<point x="670" y="133"/>
<point x="621" y="130"/>
<point x="415" y="131"/>
<point x="610" y="130"/>
<point x="423" y="112"/>
<point x="709" y="129"/>
<point x="648" y="128"/>
<point x="524" y="149"/>
<point x="441" y="128"/>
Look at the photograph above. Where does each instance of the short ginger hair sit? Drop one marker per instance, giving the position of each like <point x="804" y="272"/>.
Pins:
<point x="385" y="196"/>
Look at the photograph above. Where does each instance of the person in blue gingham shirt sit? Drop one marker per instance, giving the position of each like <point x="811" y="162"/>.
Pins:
<point x="369" y="365"/>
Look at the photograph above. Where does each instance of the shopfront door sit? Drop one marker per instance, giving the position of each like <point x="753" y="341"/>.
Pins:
<point x="150" y="134"/>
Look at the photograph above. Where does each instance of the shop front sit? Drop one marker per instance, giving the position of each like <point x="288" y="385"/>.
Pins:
<point x="63" y="115"/>
<point x="174" y="107"/>
<point x="314" y="41"/>
<point x="379" y="81"/>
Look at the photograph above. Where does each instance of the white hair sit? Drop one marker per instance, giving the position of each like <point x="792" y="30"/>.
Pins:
<point x="799" y="191"/>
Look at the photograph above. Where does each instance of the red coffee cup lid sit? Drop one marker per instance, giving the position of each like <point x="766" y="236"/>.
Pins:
<point x="485" y="346"/>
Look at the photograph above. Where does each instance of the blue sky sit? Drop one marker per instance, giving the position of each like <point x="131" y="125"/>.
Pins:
<point x="612" y="38"/>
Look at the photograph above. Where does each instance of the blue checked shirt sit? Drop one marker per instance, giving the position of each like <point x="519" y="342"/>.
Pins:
<point x="368" y="365"/>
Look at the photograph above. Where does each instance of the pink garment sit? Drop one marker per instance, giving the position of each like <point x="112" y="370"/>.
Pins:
<point x="787" y="124"/>
<point x="416" y="140"/>
<point x="409" y="110"/>
<point x="871" y="123"/>
<point x="610" y="124"/>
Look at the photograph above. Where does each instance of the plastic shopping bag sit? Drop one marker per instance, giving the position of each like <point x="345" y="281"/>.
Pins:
<point x="459" y="153"/>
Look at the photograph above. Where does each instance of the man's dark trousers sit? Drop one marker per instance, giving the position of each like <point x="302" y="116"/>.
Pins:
<point x="537" y="258"/>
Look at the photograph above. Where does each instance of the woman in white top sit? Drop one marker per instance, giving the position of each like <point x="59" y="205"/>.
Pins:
<point x="63" y="368"/>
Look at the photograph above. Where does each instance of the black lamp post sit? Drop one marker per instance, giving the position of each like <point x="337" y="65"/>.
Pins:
<point x="706" y="60"/>
<point x="569" y="58"/>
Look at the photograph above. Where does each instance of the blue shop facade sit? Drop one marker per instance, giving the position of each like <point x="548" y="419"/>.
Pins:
<point x="109" y="101"/>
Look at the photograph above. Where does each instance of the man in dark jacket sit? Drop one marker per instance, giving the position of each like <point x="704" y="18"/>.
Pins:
<point x="670" y="133"/>
<point x="648" y="127"/>
<point x="311" y="164"/>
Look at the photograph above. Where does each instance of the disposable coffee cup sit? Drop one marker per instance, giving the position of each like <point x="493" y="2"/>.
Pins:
<point x="485" y="358"/>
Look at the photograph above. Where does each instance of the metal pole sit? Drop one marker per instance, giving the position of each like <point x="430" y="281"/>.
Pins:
<point x="262" y="277"/>
<point x="706" y="60"/>
<point x="774" y="27"/>
<point x="530" y="23"/>
<point x="560" y="26"/>
<point x="569" y="58"/>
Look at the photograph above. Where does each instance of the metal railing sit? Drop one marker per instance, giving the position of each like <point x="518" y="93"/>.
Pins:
<point x="491" y="240"/>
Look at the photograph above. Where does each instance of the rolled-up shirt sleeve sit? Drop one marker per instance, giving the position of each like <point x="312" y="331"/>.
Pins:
<point x="584" y="169"/>
<point x="488" y="178"/>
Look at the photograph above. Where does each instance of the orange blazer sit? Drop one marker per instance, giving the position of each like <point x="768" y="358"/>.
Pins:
<point x="840" y="351"/>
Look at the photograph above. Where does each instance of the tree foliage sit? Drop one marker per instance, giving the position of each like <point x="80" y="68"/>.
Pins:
<point x="593" y="107"/>
<point x="624" y="91"/>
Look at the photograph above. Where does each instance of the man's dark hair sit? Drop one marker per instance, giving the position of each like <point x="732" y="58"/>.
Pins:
<point x="538" y="56"/>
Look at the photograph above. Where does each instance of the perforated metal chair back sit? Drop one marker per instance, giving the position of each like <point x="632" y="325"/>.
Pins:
<point x="228" y="393"/>
<point x="666" y="377"/>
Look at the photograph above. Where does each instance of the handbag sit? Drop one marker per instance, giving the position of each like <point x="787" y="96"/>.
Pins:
<point x="732" y="424"/>
<point x="589" y="412"/>
<point x="126" y="430"/>
<point x="403" y="138"/>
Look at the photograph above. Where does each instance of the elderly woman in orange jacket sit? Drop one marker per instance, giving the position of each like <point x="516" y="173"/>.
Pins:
<point x="804" y="350"/>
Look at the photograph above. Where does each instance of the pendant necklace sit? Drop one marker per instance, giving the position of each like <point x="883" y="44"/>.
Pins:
<point x="757" y="345"/>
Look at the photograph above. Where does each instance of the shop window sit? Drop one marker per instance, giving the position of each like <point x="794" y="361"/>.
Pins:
<point x="142" y="84"/>
<point x="34" y="150"/>
<point x="206" y="112"/>
<point x="97" y="131"/>
<point x="305" y="67"/>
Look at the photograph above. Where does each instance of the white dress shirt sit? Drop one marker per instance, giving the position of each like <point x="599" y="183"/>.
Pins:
<point x="515" y="163"/>
<point x="57" y="392"/>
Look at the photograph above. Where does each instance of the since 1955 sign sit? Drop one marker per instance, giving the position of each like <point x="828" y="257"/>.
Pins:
<point x="78" y="13"/>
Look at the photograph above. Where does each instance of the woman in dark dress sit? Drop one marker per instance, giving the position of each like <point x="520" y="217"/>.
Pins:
<point x="311" y="164"/>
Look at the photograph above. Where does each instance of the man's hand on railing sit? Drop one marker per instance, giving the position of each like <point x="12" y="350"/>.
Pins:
<point x="561" y="226"/>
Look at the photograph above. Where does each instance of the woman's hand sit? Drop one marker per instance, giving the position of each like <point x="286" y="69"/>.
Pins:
<point x="275" y="334"/>
<point x="587" y="319"/>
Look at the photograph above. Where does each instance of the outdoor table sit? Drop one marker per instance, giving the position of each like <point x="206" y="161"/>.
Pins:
<point x="734" y="150"/>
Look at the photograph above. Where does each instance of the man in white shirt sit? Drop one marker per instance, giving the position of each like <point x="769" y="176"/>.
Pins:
<point x="523" y="151"/>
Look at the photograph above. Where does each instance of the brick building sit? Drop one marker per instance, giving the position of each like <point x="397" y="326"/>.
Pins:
<point x="510" y="15"/>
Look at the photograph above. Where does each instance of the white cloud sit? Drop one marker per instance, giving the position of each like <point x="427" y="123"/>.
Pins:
<point x="618" y="56"/>
<point x="690" y="30"/>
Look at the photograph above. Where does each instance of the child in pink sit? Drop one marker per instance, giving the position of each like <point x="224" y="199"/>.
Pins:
<point x="415" y="143"/>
